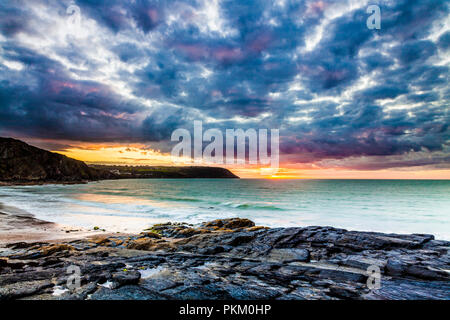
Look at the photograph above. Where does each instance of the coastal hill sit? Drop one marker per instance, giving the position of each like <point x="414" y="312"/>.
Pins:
<point x="157" y="172"/>
<point x="22" y="163"/>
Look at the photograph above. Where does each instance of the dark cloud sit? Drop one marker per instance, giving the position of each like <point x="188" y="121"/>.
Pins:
<point x="12" y="19"/>
<point x="415" y="51"/>
<point x="118" y="16"/>
<point x="444" y="41"/>
<point x="356" y="92"/>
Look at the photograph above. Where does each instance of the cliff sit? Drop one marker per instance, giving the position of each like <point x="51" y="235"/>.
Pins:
<point x="20" y="162"/>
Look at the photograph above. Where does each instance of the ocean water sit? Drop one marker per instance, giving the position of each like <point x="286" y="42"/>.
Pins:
<point x="400" y="206"/>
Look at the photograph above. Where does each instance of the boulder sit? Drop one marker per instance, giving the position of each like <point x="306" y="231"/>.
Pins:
<point x="233" y="223"/>
<point x="126" y="277"/>
<point x="287" y="255"/>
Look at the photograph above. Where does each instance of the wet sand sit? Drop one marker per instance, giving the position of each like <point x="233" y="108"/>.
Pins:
<point x="19" y="226"/>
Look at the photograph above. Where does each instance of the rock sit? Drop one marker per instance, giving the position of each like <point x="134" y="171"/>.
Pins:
<point x="142" y="244"/>
<point x="233" y="223"/>
<point x="23" y="289"/>
<point x="157" y="285"/>
<point x="150" y="234"/>
<point x="407" y="289"/>
<point x="338" y="275"/>
<point x="149" y="244"/>
<point x="289" y="255"/>
<point x="422" y="272"/>
<point x="48" y="250"/>
<point x="256" y="228"/>
<point x="344" y="291"/>
<point x="20" y="245"/>
<point x="212" y="250"/>
<point x="82" y="293"/>
<point x="126" y="277"/>
<point x="362" y="262"/>
<point x="395" y="267"/>
<point x="49" y="262"/>
<point x="126" y="293"/>
<point x="305" y="293"/>
<point x="173" y="230"/>
<point x="239" y="239"/>
<point x="188" y="232"/>
<point x="19" y="264"/>
<point x="203" y="292"/>
<point x="213" y="261"/>
<point x="101" y="240"/>
<point x="100" y="277"/>
<point x="252" y="292"/>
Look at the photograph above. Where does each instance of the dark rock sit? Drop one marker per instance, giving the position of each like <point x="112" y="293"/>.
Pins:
<point x="216" y="262"/>
<point x="82" y="293"/>
<point x="56" y="248"/>
<point x="305" y="293"/>
<point x="233" y="223"/>
<point x="239" y="238"/>
<point x="344" y="291"/>
<point x="362" y="262"/>
<point x="289" y="255"/>
<point x="50" y="262"/>
<point x="128" y="292"/>
<point x="212" y="250"/>
<point x="203" y="292"/>
<point x="406" y="289"/>
<point x="240" y="292"/>
<point x="422" y="272"/>
<point x="126" y="277"/>
<point x="29" y="276"/>
<point x="153" y="235"/>
<point x="159" y="284"/>
<point x="338" y="275"/>
<point x="23" y="289"/>
<point x="100" y="277"/>
<point x="395" y="267"/>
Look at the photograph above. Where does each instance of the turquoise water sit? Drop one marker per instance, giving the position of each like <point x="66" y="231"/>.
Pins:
<point x="401" y="206"/>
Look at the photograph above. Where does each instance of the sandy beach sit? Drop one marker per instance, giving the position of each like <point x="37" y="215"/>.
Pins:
<point x="19" y="226"/>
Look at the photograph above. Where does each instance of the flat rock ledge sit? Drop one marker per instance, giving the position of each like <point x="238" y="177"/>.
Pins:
<point x="229" y="259"/>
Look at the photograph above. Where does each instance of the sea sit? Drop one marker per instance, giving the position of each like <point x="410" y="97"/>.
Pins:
<point x="391" y="206"/>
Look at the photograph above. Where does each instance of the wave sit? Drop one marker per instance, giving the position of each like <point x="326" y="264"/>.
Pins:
<point x="251" y="206"/>
<point x="176" y="199"/>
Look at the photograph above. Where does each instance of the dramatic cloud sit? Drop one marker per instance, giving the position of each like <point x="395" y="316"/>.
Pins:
<point x="133" y="71"/>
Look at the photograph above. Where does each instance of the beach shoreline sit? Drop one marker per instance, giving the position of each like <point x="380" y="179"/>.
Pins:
<point x="17" y="225"/>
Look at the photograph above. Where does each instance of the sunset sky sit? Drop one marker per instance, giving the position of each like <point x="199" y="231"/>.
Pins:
<point x="349" y="102"/>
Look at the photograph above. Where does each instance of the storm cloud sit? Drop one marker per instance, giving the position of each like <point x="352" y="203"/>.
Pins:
<point x="135" y="71"/>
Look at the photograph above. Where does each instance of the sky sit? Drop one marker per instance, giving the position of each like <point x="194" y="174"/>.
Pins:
<point x="109" y="81"/>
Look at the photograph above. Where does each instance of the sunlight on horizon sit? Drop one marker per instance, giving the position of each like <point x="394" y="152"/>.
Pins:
<point x="140" y="155"/>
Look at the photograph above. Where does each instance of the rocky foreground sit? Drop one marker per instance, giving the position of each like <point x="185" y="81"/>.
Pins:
<point x="229" y="259"/>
